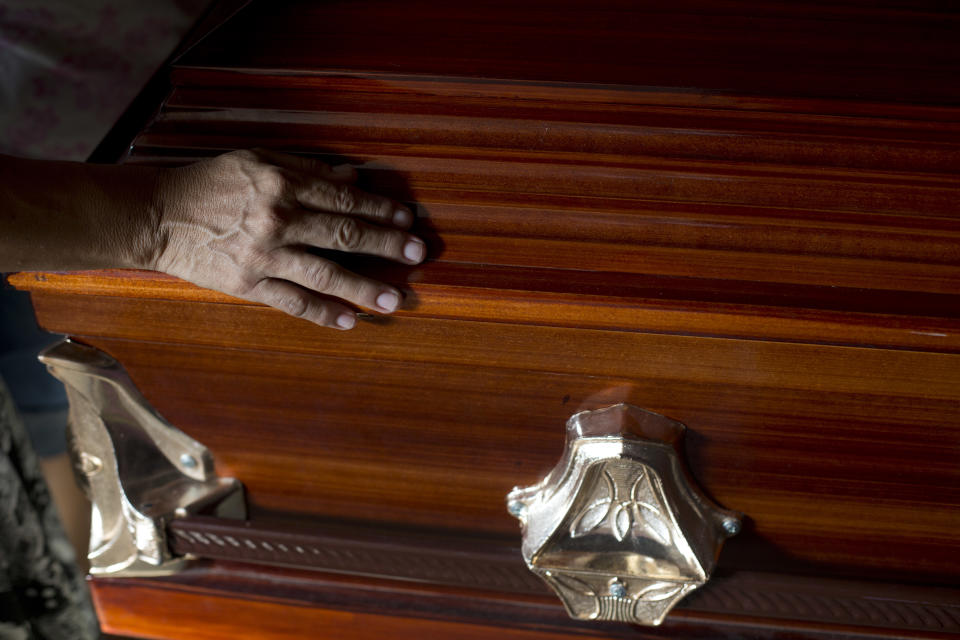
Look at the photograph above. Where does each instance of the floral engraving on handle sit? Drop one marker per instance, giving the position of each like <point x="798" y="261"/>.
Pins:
<point x="642" y="511"/>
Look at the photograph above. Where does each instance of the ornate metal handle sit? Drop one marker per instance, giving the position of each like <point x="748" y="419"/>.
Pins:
<point x="618" y="528"/>
<point x="140" y="472"/>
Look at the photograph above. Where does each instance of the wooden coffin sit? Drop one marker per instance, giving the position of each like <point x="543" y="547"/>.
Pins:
<point x="740" y="215"/>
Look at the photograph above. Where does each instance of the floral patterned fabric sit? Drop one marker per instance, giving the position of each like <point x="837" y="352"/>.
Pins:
<point x="42" y="595"/>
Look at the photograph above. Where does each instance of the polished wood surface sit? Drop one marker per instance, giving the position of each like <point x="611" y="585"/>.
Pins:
<point x="741" y="215"/>
<point x="670" y="189"/>
<point x="844" y="459"/>
<point x="286" y="603"/>
<point x="652" y="304"/>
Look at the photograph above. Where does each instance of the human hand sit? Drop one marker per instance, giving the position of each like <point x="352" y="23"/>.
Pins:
<point x="241" y="223"/>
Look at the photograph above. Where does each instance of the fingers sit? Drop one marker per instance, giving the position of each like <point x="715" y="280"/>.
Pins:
<point x="300" y="303"/>
<point x="313" y="168"/>
<point x="333" y="214"/>
<point x="329" y="278"/>
<point x="342" y="198"/>
<point x="323" y="188"/>
<point x="346" y="233"/>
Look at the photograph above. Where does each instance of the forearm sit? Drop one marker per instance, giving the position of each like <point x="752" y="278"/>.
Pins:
<point x="73" y="216"/>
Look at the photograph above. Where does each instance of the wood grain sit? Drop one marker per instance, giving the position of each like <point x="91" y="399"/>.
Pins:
<point x="739" y="214"/>
<point x="671" y="189"/>
<point x="703" y="307"/>
<point x="845" y="459"/>
<point x="286" y="603"/>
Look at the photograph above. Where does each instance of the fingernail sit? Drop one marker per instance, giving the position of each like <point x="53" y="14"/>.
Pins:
<point x="414" y="250"/>
<point x="388" y="301"/>
<point x="346" y="321"/>
<point x="402" y="218"/>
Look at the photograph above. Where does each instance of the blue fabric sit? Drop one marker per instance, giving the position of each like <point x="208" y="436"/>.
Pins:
<point x="38" y="396"/>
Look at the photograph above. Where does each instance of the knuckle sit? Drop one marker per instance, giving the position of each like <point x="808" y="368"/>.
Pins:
<point x="392" y="243"/>
<point x="239" y="286"/>
<point x="383" y="209"/>
<point x="348" y="235"/>
<point x="323" y="276"/>
<point x="344" y="199"/>
<point x="294" y="305"/>
<point x="243" y="284"/>
<point x="245" y="154"/>
<point x="388" y="244"/>
<point x="271" y="181"/>
<point x="239" y="158"/>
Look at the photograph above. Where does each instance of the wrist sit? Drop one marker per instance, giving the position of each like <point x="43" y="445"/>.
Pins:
<point x="75" y="216"/>
<point x="133" y="198"/>
<point x="154" y="235"/>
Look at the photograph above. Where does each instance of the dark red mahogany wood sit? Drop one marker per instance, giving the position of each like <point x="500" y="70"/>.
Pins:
<point x="279" y="603"/>
<point x="740" y="214"/>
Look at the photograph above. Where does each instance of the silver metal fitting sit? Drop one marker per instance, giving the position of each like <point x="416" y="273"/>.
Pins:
<point x="139" y="471"/>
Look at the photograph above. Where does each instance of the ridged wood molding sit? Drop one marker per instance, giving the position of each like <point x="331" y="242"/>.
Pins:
<point x="434" y="560"/>
<point x="647" y="304"/>
<point x="858" y="201"/>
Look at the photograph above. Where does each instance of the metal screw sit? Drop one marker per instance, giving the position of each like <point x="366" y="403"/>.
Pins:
<point x="90" y="464"/>
<point x="517" y="509"/>
<point x="731" y="526"/>
<point x="188" y="460"/>
<point x="618" y="589"/>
